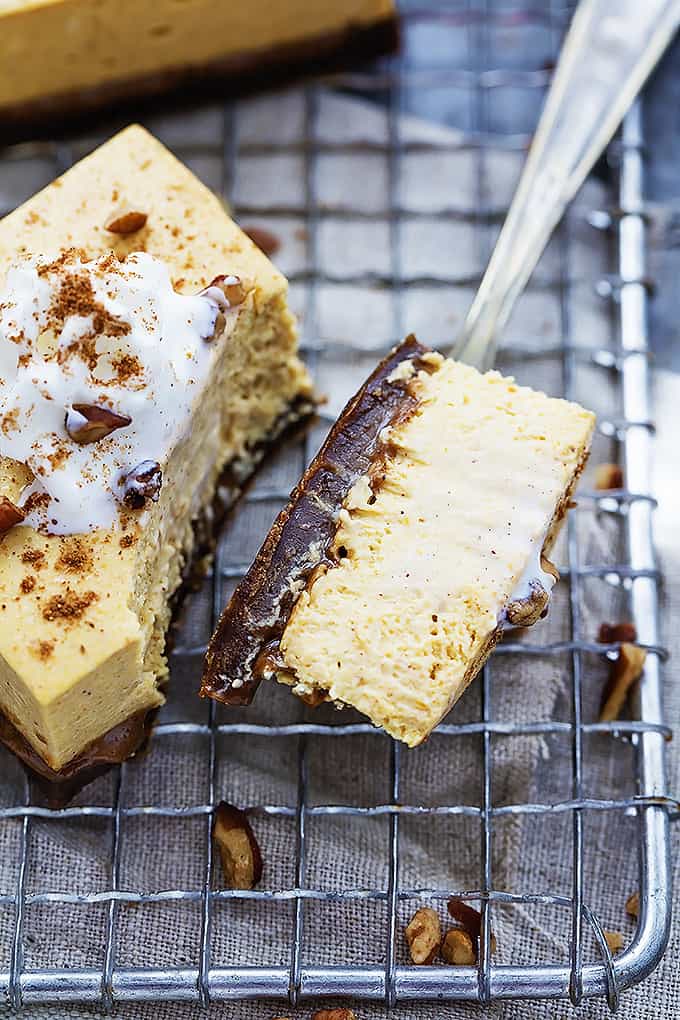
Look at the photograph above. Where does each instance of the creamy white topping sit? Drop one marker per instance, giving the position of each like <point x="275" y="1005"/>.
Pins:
<point x="104" y="334"/>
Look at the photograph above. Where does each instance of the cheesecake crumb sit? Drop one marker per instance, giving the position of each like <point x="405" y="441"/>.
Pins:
<point x="75" y="557"/>
<point x="43" y="649"/>
<point x="70" y="606"/>
<point x="28" y="584"/>
<point x="36" y="557"/>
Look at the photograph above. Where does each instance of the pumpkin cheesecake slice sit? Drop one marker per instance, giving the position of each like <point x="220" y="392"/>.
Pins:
<point x="145" y="347"/>
<point x="416" y="536"/>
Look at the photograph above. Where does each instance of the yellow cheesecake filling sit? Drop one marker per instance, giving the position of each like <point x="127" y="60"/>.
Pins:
<point x="429" y="554"/>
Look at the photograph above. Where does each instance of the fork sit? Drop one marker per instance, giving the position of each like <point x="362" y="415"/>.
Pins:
<point x="610" y="50"/>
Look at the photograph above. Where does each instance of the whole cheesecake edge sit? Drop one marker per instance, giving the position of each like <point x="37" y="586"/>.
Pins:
<point x="232" y="76"/>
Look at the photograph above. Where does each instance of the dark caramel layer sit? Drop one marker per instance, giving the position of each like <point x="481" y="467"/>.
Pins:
<point x="229" y="77"/>
<point x="246" y="640"/>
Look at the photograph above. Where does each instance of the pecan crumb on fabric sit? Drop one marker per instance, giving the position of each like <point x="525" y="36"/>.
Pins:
<point x="471" y="922"/>
<point x="27" y="585"/>
<point x="424" y="935"/>
<point x="633" y="905"/>
<point x="608" y="476"/>
<point x="458" y="948"/>
<point x="70" y="606"/>
<point x="239" y="850"/>
<point x="613" y="633"/>
<point x="625" y="669"/>
<point x="334" y="1014"/>
<point x="614" y="940"/>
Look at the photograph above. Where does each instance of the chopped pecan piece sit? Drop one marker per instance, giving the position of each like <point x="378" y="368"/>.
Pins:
<point x="470" y="920"/>
<point x="88" y="423"/>
<point x="624" y="671"/>
<point x="141" y="484"/>
<point x="126" y="221"/>
<point x="10" y="514"/>
<point x="334" y="1014"/>
<point x="424" y="935"/>
<point x="458" y="948"/>
<point x="614" y="940"/>
<point x="239" y="850"/>
<point x="633" y="905"/>
<point x="608" y="476"/>
<point x="226" y="292"/>
<point x="613" y="633"/>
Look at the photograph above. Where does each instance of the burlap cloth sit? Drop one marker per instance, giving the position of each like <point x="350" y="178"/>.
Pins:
<point x="530" y="854"/>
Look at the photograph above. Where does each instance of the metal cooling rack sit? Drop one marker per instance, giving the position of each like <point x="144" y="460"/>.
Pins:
<point x="397" y="82"/>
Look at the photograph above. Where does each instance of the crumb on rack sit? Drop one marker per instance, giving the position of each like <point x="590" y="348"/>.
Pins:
<point x="424" y="935"/>
<point x="625" y="669"/>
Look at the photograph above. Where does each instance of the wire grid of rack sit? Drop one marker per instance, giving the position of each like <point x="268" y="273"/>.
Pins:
<point x="393" y="82"/>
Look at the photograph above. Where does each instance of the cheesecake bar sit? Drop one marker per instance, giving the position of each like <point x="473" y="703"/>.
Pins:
<point x="146" y="347"/>
<point x="60" y="58"/>
<point x="417" y="534"/>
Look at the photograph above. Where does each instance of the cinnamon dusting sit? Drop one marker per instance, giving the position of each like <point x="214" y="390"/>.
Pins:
<point x="36" y="557"/>
<point x="75" y="557"/>
<point x="69" y="607"/>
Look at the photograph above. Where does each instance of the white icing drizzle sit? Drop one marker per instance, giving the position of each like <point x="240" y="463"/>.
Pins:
<point x="151" y="366"/>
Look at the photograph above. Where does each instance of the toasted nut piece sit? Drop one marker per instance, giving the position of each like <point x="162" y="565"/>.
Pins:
<point x="625" y="670"/>
<point x="614" y="940"/>
<point x="470" y="920"/>
<point x="334" y="1014"/>
<point x="265" y="240"/>
<point x="226" y="292"/>
<point x="424" y="935"/>
<point x="608" y="476"/>
<point x="142" y="483"/>
<point x="10" y="514"/>
<point x="526" y="612"/>
<point x="458" y="948"/>
<point x="239" y="850"/>
<point x="613" y="633"/>
<point x="87" y="423"/>
<point x="633" y="905"/>
<point x="126" y="221"/>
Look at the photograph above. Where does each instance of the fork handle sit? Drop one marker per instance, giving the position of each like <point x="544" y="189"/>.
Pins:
<point x="609" y="51"/>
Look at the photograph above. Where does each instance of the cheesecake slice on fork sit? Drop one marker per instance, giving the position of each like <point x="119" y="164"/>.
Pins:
<point x="417" y="534"/>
